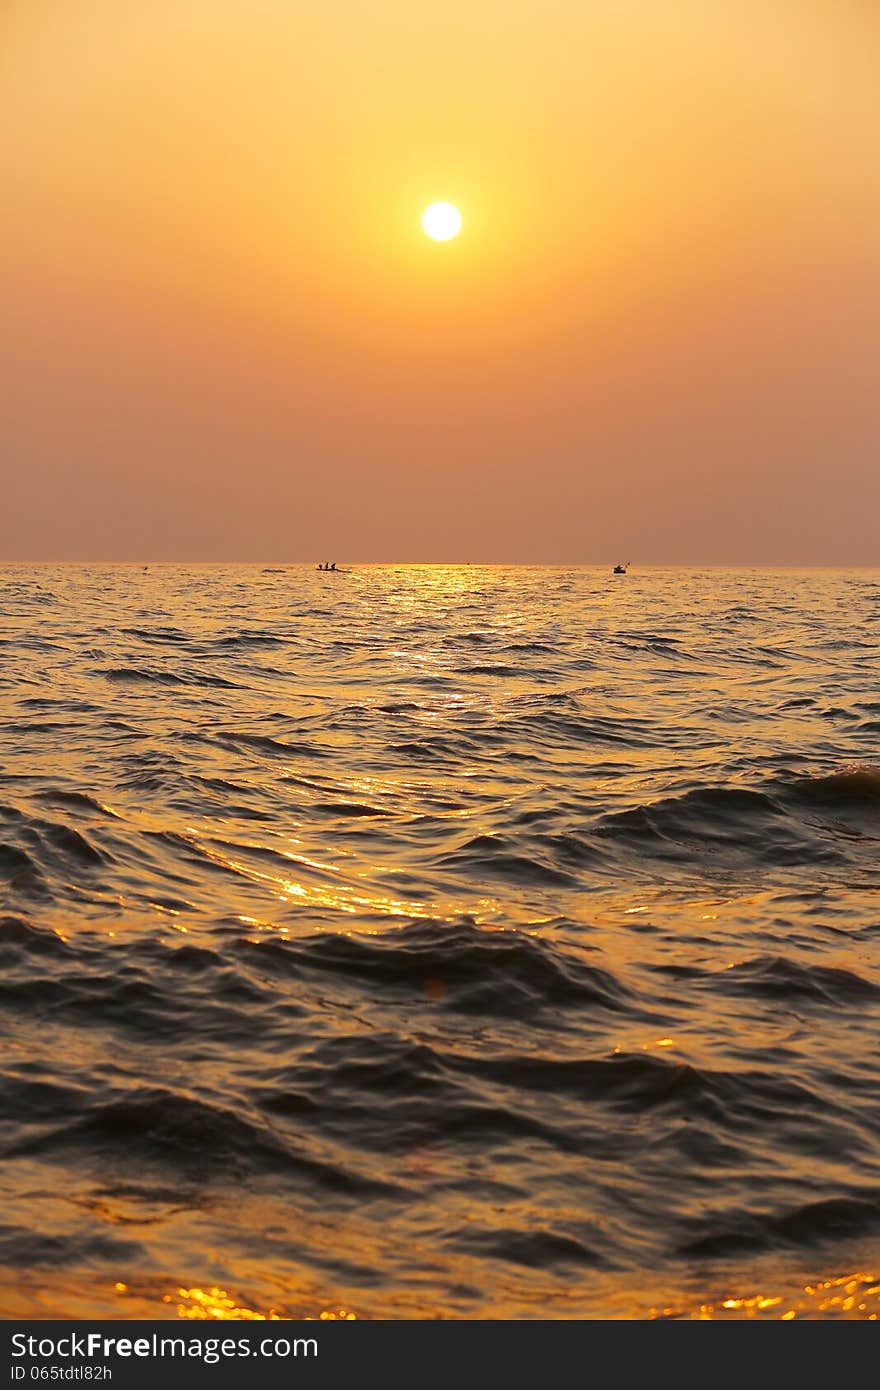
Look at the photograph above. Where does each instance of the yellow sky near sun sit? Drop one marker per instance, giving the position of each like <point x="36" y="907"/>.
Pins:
<point x="242" y="182"/>
<point x="263" y="135"/>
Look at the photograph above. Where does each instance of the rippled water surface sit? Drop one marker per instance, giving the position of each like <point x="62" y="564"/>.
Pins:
<point x="439" y="941"/>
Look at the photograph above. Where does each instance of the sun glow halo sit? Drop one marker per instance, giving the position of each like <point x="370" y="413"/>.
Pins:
<point x="441" y="221"/>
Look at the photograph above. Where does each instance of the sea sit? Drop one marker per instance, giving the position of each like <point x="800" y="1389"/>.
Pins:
<point x="424" y="941"/>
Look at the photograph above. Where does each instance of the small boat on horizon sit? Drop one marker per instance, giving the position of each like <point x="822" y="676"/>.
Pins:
<point x="620" y="569"/>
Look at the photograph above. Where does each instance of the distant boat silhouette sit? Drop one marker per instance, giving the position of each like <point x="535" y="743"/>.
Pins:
<point x="620" y="569"/>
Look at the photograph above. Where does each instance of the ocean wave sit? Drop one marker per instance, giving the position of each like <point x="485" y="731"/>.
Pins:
<point x="460" y="966"/>
<point x="764" y="826"/>
<point x="830" y="1218"/>
<point x="538" y="1249"/>
<point x="265" y="743"/>
<point x="195" y="1139"/>
<point x="21" y="938"/>
<point x="725" y="820"/>
<point x="494" y="856"/>
<point x="854" y="785"/>
<point x="145" y="675"/>
<point x="76" y="801"/>
<point x="778" y="978"/>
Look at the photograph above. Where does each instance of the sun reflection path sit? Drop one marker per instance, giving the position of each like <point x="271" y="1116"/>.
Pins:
<point x="854" y="1295"/>
<point x="849" y="1296"/>
<point x="212" y="1304"/>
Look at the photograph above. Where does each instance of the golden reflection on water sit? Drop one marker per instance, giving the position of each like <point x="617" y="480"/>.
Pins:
<point x="206" y="1304"/>
<point x="216" y="1304"/>
<point x="853" y="1296"/>
<point x="342" y="897"/>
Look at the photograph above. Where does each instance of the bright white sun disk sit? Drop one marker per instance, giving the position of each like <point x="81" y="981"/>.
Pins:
<point x="441" y="221"/>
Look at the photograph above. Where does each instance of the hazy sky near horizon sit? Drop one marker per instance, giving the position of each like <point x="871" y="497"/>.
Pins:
<point x="226" y="337"/>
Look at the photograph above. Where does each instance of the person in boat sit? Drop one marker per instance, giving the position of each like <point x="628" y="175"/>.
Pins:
<point x="333" y="566"/>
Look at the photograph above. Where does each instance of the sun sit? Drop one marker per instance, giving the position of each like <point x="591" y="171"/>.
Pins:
<point x="441" y="221"/>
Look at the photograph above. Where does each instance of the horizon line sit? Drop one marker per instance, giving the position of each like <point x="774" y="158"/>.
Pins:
<point x="462" y="564"/>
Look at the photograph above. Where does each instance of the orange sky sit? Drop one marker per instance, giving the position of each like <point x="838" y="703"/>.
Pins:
<point x="227" y="338"/>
